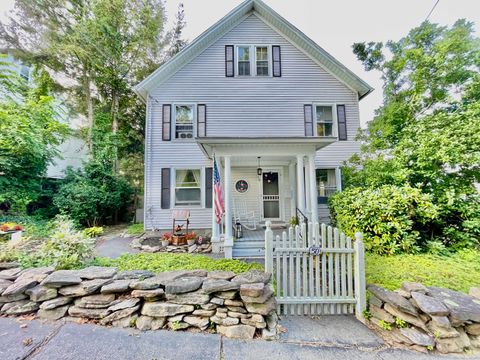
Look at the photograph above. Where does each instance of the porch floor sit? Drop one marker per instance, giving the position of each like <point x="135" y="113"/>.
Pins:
<point x="252" y="243"/>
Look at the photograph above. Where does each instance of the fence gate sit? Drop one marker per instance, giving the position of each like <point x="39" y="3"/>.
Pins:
<point x="316" y="271"/>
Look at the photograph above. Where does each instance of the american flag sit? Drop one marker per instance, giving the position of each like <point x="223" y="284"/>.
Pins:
<point x="219" y="206"/>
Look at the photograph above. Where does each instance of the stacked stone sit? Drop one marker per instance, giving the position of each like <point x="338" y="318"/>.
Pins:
<point x="436" y="318"/>
<point x="141" y="244"/>
<point x="237" y="306"/>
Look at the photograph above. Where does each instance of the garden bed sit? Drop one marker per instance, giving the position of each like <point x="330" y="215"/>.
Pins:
<point x="157" y="243"/>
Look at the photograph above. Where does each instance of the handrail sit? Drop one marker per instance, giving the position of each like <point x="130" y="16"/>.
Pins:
<point x="301" y="218"/>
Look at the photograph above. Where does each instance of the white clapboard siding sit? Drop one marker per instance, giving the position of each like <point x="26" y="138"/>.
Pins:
<point x="240" y="107"/>
<point x="317" y="271"/>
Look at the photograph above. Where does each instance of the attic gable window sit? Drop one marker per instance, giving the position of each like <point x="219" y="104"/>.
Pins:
<point x="253" y="60"/>
<point x="243" y="60"/>
<point x="261" y="60"/>
<point x="184" y="116"/>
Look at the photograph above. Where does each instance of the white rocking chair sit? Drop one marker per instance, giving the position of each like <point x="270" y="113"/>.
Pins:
<point x="242" y="215"/>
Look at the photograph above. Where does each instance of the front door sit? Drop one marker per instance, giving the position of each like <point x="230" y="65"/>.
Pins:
<point x="271" y="195"/>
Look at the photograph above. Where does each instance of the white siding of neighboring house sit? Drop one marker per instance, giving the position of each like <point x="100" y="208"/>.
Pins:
<point x="241" y="106"/>
<point x="73" y="152"/>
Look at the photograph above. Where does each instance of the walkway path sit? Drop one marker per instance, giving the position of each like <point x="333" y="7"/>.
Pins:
<point x="331" y="338"/>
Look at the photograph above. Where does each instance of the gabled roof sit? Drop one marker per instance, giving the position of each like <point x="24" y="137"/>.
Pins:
<point x="233" y="18"/>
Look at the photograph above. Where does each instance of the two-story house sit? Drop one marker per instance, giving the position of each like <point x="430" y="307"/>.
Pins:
<point x="276" y="110"/>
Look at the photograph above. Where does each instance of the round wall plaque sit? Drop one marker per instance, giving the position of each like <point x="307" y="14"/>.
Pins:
<point x="241" y="186"/>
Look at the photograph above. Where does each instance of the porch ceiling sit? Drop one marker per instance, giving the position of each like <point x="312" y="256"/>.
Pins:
<point x="262" y="146"/>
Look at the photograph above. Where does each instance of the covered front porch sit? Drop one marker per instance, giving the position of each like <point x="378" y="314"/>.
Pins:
<point x="264" y="179"/>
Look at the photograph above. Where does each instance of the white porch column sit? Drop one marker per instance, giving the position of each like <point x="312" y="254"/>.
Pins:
<point x="215" y="227"/>
<point x="293" y="193"/>
<point x="313" y="187"/>
<point x="300" y="184"/>
<point x="308" y="203"/>
<point x="228" y="208"/>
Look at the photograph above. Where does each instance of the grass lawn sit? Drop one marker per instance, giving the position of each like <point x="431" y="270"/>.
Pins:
<point x="458" y="271"/>
<point x="135" y="229"/>
<point x="158" y="262"/>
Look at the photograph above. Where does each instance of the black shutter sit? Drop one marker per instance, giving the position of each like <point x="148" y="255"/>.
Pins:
<point x="229" y="61"/>
<point x="208" y="187"/>
<point x="165" y="201"/>
<point x="342" y="122"/>
<point x="276" y="61"/>
<point x="201" y="120"/>
<point x="166" y="122"/>
<point x="308" y="117"/>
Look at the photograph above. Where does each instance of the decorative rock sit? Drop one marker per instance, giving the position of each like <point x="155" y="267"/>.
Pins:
<point x="117" y="286"/>
<point x="8" y="265"/>
<point x="267" y="294"/>
<point x="4" y="284"/>
<point x="178" y="325"/>
<point x="222" y="310"/>
<point x="117" y="315"/>
<point x="202" y="312"/>
<point x="405" y="317"/>
<point x="176" y="318"/>
<point x="62" y="278"/>
<point x="197" y="321"/>
<point x="209" y="306"/>
<point x="126" y="322"/>
<point x="53" y="314"/>
<point x="158" y="323"/>
<point x="221" y="315"/>
<point x="238" y="309"/>
<point x="192" y="248"/>
<point x="133" y="274"/>
<point x="10" y="298"/>
<point x="416" y="337"/>
<point x="381" y="314"/>
<point x="221" y="275"/>
<point x="183" y="285"/>
<point x="429" y="305"/>
<point x="228" y="321"/>
<point x="441" y="321"/>
<point x="84" y="288"/>
<point x="269" y="334"/>
<point x="475" y="292"/>
<point x="19" y="286"/>
<point x="125" y="304"/>
<point x="98" y="301"/>
<point x="213" y="285"/>
<point x="149" y="294"/>
<point x="10" y="274"/>
<point x="97" y="272"/>
<point x="414" y="287"/>
<point x="38" y="274"/>
<point x="375" y="301"/>
<point x="41" y="293"/>
<point x="393" y="298"/>
<point x="252" y="290"/>
<point x="442" y="332"/>
<point x="403" y="293"/>
<point x="54" y="303"/>
<point x="144" y="323"/>
<point x="252" y="276"/>
<point x="475" y="341"/>
<point x="19" y="307"/>
<point x="463" y="308"/>
<point x="226" y="295"/>
<point x="239" y="315"/>
<point x="158" y="309"/>
<point x="229" y="302"/>
<point x="272" y="320"/>
<point x="144" y="284"/>
<point x="450" y="345"/>
<point x="217" y="301"/>
<point x="194" y="298"/>
<point x="237" y="331"/>
<point x="76" y="311"/>
<point x="263" y="309"/>
<point x="473" y="329"/>
<point x="256" y="320"/>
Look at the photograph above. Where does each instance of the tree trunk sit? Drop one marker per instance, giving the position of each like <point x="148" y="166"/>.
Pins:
<point x="89" y="103"/>
<point x="114" y="112"/>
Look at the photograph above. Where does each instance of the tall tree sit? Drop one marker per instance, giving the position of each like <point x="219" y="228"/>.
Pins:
<point x="176" y="40"/>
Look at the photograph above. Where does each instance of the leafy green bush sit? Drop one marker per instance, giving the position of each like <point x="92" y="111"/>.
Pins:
<point x="135" y="229"/>
<point x="67" y="248"/>
<point x="94" y="196"/>
<point x="93" y="231"/>
<point x="389" y="217"/>
<point x="159" y="262"/>
<point x="457" y="271"/>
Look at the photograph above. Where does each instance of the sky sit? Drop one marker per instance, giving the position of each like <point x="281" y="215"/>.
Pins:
<point x="335" y="25"/>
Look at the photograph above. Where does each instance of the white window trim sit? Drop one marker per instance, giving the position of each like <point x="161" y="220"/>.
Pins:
<point x="173" y="186"/>
<point x="174" y="121"/>
<point x="253" y="60"/>
<point x="334" y="115"/>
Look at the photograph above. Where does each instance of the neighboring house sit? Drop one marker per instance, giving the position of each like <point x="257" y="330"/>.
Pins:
<point x="73" y="151"/>
<point x="278" y="112"/>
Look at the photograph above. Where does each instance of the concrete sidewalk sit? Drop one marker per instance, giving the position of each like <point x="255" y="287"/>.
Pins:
<point x="326" y="338"/>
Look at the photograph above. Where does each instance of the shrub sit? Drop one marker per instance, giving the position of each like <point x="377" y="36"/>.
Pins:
<point x="389" y="217"/>
<point x="93" y="231"/>
<point x="93" y="196"/>
<point x="67" y="248"/>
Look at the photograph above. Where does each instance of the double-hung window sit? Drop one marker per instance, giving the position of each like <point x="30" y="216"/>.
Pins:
<point x="188" y="187"/>
<point x="261" y="60"/>
<point x="243" y="60"/>
<point x="326" y="184"/>
<point x="325" y="120"/>
<point x="184" y="116"/>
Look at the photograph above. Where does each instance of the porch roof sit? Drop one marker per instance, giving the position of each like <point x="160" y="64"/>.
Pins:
<point x="250" y="145"/>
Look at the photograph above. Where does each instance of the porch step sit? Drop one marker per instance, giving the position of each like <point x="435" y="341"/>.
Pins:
<point x="248" y="248"/>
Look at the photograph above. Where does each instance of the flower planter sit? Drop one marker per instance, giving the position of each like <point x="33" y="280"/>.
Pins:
<point x="191" y="242"/>
<point x="165" y="243"/>
<point x="179" y="240"/>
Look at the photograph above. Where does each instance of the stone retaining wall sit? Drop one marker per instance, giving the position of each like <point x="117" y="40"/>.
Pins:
<point x="427" y="318"/>
<point x="237" y="306"/>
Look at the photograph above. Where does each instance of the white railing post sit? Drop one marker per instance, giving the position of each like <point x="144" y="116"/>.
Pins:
<point x="360" y="286"/>
<point x="268" y="247"/>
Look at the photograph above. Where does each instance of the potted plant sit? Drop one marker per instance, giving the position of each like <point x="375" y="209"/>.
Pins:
<point x="294" y="221"/>
<point x="191" y="238"/>
<point x="166" y="237"/>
